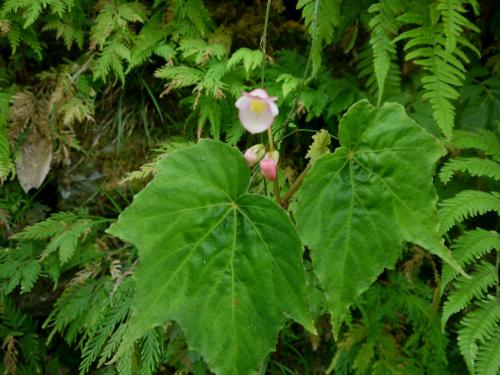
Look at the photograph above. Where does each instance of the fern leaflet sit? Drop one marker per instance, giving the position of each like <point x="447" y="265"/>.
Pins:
<point x="467" y="203"/>
<point x="200" y="51"/>
<point x="251" y="59"/>
<point x="103" y="338"/>
<point x="384" y="26"/>
<point x="365" y="67"/>
<point x="478" y="326"/>
<point x="488" y="361"/>
<point x="469" y="247"/>
<point x="482" y="140"/>
<point x="467" y="288"/>
<point x="151" y="345"/>
<point x="474" y="166"/>
<point x="454" y="22"/>
<point x="19" y="267"/>
<point x="80" y="305"/>
<point x="151" y="41"/>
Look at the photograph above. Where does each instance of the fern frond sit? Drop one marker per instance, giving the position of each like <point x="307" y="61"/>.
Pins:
<point x="32" y="9"/>
<point x="151" y="40"/>
<point x="200" y="51"/>
<point x="53" y="226"/>
<point x="68" y="32"/>
<point x="251" y="59"/>
<point x="234" y="133"/>
<point x="14" y="36"/>
<point x="478" y="326"/>
<point x="65" y="230"/>
<point x="15" y="323"/>
<point x="194" y="15"/>
<point x="180" y="76"/>
<point x="67" y="241"/>
<point x="482" y="140"/>
<point x="385" y="26"/>
<point x="210" y="111"/>
<point x="321" y="17"/>
<point x="213" y="83"/>
<point x="111" y="59"/>
<point x="115" y="16"/>
<point x="434" y="45"/>
<point x="151" y="348"/>
<point x="467" y="288"/>
<point x="30" y="274"/>
<point x="112" y="344"/>
<point x="474" y="166"/>
<point x="488" y="358"/>
<point x="80" y="306"/>
<point x="365" y="68"/>
<point x="469" y="247"/>
<point x="146" y="171"/>
<point x="466" y="204"/>
<point x="454" y="22"/>
<point x="126" y="362"/>
<point x="19" y="266"/>
<point x="103" y="338"/>
<point x="289" y="83"/>
<point x="33" y="12"/>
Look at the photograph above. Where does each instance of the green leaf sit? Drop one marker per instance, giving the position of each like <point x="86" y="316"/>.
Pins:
<point x="358" y="205"/>
<point x="223" y="263"/>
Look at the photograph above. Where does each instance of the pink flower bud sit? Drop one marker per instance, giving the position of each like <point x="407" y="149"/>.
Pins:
<point x="257" y="110"/>
<point x="254" y="154"/>
<point x="268" y="165"/>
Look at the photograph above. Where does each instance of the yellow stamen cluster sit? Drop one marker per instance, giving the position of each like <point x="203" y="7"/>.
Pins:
<point x="257" y="106"/>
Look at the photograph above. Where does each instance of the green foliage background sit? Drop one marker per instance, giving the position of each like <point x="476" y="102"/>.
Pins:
<point x="98" y="97"/>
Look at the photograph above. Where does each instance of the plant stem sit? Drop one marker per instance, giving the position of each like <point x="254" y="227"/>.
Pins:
<point x="296" y="184"/>
<point x="263" y="42"/>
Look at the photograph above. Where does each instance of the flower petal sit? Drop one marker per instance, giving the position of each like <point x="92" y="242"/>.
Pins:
<point x="243" y="102"/>
<point x="260" y="93"/>
<point x="256" y="122"/>
<point x="274" y="108"/>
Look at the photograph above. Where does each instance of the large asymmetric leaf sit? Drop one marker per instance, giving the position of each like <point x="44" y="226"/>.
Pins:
<point x="358" y="205"/>
<point x="225" y="264"/>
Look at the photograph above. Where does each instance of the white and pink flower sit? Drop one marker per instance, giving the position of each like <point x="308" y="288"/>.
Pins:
<point x="257" y="110"/>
